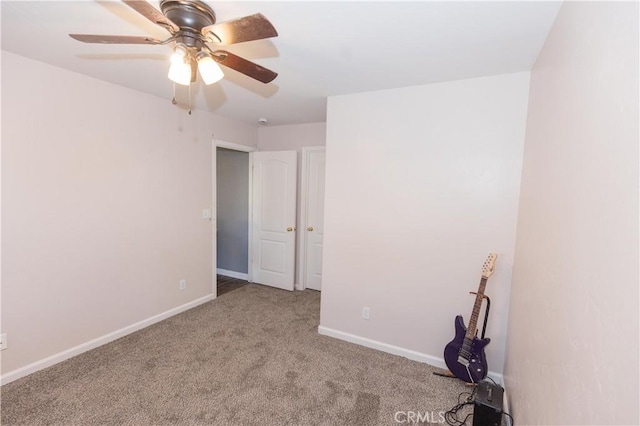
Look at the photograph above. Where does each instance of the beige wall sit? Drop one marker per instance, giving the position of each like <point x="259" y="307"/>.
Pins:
<point x="421" y="184"/>
<point x="572" y="354"/>
<point x="102" y="193"/>
<point x="291" y="137"/>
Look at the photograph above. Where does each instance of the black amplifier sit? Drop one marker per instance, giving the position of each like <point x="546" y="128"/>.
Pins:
<point x="487" y="405"/>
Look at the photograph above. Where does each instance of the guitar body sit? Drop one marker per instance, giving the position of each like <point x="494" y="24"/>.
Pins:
<point x="477" y="368"/>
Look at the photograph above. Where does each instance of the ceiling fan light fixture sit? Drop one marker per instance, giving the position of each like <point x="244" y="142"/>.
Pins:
<point x="180" y="54"/>
<point x="180" y="73"/>
<point x="209" y="69"/>
<point x="180" y="70"/>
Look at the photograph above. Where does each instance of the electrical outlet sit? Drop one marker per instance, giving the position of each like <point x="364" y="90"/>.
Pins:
<point x="3" y="341"/>
<point x="183" y="284"/>
<point x="365" y="313"/>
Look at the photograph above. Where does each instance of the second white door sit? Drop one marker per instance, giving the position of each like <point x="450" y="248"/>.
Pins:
<point x="315" y="167"/>
<point x="273" y="218"/>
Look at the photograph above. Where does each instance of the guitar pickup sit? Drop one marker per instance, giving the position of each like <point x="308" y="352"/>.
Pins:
<point x="462" y="360"/>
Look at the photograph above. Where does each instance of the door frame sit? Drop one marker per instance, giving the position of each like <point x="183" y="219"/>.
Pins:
<point x="217" y="143"/>
<point x="304" y="201"/>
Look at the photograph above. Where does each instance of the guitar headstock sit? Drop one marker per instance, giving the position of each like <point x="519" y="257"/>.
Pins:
<point x="489" y="265"/>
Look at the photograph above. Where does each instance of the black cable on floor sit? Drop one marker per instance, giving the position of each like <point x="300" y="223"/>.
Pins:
<point x="451" y="416"/>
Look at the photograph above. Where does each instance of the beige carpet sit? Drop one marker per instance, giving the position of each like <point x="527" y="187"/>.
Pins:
<point x="251" y="357"/>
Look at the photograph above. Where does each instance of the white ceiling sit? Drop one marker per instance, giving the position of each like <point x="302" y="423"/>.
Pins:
<point x="323" y="49"/>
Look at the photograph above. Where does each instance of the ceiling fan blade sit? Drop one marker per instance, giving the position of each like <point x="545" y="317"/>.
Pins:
<point x="114" y="39"/>
<point x="152" y="14"/>
<point x="244" y="66"/>
<point x="253" y="27"/>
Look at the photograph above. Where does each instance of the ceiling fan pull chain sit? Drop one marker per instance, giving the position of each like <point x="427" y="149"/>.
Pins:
<point x="173" y="101"/>
<point x="189" y="98"/>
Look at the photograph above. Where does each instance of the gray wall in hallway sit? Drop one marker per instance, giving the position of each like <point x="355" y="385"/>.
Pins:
<point x="233" y="209"/>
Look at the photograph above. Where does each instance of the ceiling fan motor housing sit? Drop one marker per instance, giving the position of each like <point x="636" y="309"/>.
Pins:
<point x="191" y="16"/>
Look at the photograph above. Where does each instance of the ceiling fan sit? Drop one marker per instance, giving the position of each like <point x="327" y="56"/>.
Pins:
<point x="192" y="25"/>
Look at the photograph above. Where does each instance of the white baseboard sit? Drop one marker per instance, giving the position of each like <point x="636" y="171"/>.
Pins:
<point x="505" y="406"/>
<point x="395" y="350"/>
<point x="92" y="344"/>
<point x="233" y="274"/>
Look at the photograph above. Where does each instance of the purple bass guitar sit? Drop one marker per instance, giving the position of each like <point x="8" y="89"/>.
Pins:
<point x="464" y="355"/>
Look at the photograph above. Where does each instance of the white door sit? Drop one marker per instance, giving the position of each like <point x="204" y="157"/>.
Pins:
<point x="315" y="218"/>
<point x="273" y="218"/>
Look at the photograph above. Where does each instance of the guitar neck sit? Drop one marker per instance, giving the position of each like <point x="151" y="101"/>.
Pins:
<point x="473" y="321"/>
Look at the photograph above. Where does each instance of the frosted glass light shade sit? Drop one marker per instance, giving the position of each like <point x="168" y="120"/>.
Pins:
<point x="180" y="73"/>
<point x="179" y="54"/>
<point x="209" y="69"/>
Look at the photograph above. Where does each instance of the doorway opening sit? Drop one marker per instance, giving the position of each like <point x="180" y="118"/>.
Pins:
<point x="232" y="219"/>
